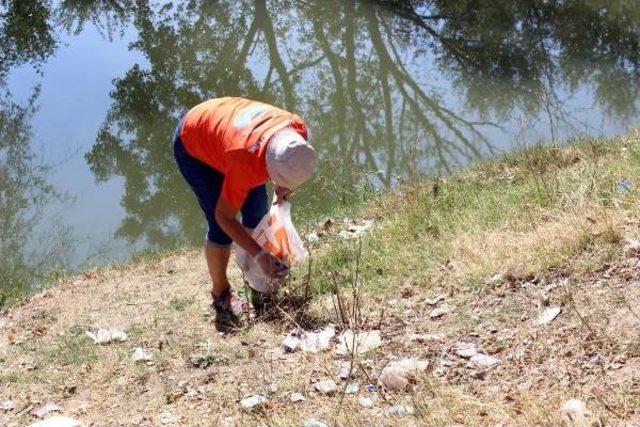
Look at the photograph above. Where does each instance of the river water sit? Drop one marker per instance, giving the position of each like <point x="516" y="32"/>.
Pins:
<point x="90" y="92"/>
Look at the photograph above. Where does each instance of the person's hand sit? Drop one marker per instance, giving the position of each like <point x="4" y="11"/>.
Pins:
<point x="271" y="266"/>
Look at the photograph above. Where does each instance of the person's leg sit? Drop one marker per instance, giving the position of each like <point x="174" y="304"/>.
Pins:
<point x="206" y="183"/>
<point x="217" y="261"/>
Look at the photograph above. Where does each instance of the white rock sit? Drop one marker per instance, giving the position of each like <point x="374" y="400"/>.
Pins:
<point x="254" y="402"/>
<point x="365" y="401"/>
<point x="422" y="338"/>
<point x="466" y="350"/>
<point x="43" y="410"/>
<point x="169" y="418"/>
<point x="291" y="341"/>
<point x="352" y="388"/>
<point x="7" y="406"/>
<point x="315" y="342"/>
<point x="326" y="386"/>
<point x="315" y="423"/>
<point x="313" y="237"/>
<point x="398" y="376"/>
<point x="140" y="355"/>
<point x="435" y="300"/>
<point x="632" y="247"/>
<point x="58" y="421"/>
<point x="548" y="315"/>
<point x="399" y="410"/>
<point x="296" y="397"/>
<point x="439" y="312"/>
<point x="358" y="343"/>
<point x="106" y="336"/>
<point x="575" y="413"/>
<point x="484" y="360"/>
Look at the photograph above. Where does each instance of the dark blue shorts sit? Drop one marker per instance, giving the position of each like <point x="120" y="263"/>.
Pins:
<point x="206" y="183"/>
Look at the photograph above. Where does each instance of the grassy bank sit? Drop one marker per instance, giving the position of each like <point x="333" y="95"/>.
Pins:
<point x="470" y="259"/>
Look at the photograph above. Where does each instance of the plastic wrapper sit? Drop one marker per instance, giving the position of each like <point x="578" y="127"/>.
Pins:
<point x="276" y="234"/>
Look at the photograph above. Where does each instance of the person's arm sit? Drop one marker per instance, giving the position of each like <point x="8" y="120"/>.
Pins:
<point x="226" y="217"/>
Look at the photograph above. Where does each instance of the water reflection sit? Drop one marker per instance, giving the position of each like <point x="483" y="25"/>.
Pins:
<point x="370" y="78"/>
<point x="28" y="251"/>
<point x="390" y="89"/>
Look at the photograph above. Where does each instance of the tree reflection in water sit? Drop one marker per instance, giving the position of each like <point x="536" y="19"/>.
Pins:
<point x="365" y="76"/>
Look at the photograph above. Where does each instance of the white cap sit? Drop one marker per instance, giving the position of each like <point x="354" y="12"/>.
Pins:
<point x="290" y="160"/>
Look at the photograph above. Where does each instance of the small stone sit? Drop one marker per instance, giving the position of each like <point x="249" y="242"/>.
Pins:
<point x="400" y="375"/>
<point x="296" y="397"/>
<point x="435" y="300"/>
<point x="423" y="338"/>
<point x="315" y="423"/>
<point x="548" y="315"/>
<point x="484" y="360"/>
<point x="140" y="355"/>
<point x="466" y="350"/>
<point x="252" y="403"/>
<point x="7" y="406"/>
<point x="315" y="342"/>
<point x="326" y="386"/>
<point x="365" y="401"/>
<point x="169" y="418"/>
<point x="106" y="336"/>
<point x="632" y="248"/>
<point x="58" y="421"/>
<point x="439" y="312"/>
<point x="313" y="237"/>
<point x="358" y="343"/>
<point x="371" y="388"/>
<point x="346" y="371"/>
<point x="291" y="341"/>
<point x="399" y="410"/>
<point x="43" y="410"/>
<point x="575" y="413"/>
<point x="352" y="388"/>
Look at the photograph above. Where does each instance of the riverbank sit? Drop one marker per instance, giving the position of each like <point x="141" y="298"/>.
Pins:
<point x="516" y="280"/>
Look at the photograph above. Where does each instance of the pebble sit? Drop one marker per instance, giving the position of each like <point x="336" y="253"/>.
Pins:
<point x="575" y="413"/>
<point x="484" y="360"/>
<point x="466" y="350"/>
<point x="315" y="342"/>
<point x="398" y="376"/>
<point x="315" y="423"/>
<point x="358" y="343"/>
<point x="254" y="402"/>
<point x="365" y="401"/>
<point x="435" y="300"/>
<point x="58" y="421"/>
<point x="423" y="338"/>
<point x="43" y="410"/>
<point x="296" y="397"/>
<point x="352" y="388"/>
<point x="439" y="312"/>
<point x="106" y="336"/>
<point x="399" y="410"/>
<point x="140" y="355"/>
<point x="632" y="248"/>
<point x="548" y="315"/>
<point x="291" y="341"/>
<point x="7" y="406"/>
<point x="326" y="386"/>
<point x="371" y="388"/>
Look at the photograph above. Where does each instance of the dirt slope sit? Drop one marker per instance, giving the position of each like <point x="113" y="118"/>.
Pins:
<point x="590" y="351"/>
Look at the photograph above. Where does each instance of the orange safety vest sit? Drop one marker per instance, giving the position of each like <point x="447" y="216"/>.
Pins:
<point x="231" y="135"/>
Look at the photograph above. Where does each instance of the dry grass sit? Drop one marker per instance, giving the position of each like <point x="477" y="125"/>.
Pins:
<point x="501" y="241"/>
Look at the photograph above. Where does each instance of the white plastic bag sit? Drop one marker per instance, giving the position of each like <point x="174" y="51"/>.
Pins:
<point x="276" y="234"/>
